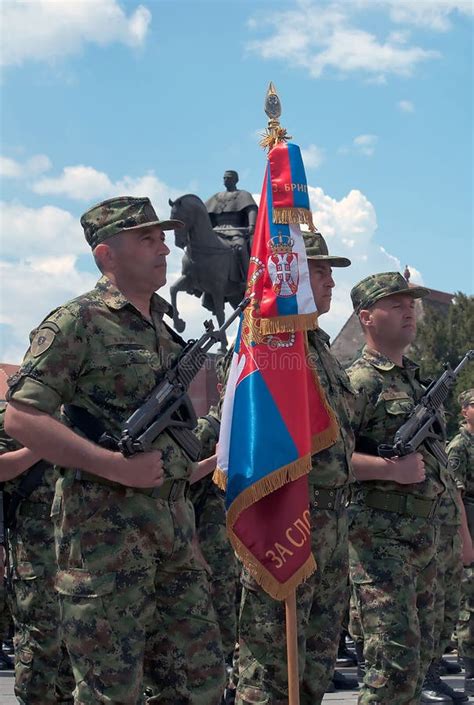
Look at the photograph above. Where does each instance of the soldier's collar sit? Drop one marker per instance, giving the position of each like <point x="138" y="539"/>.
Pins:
<point x="114" y="298"/>
<point x="321" y="334"/>
<point x="381" y="362"/>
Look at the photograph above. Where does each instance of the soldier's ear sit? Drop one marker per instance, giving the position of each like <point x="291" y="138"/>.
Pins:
<point x="104" y="256"/>
<point x="365" y="318"/>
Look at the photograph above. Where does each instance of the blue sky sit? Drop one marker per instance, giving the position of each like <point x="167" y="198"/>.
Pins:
<point x="104" y="98"/>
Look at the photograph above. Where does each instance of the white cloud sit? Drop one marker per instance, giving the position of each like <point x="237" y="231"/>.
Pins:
<point x="78" y="182"/>
<point x="313" y="156"/>
<point x="12" y="169"/>
<point x="30" y="233"/>
<point x="365" y="144"/>
<point x="406" y="106"/>
<point x="430" y="14"/>
<point x="321" y="37"/>
<point x="349" y="226"/>
<point x="87" y="184"/>
<point x="44" y="30"/>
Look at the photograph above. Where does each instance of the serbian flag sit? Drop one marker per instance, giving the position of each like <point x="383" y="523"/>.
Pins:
<point x="275" y="415"/>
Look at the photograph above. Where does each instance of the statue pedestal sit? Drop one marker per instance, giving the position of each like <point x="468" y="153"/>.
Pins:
<point x="203" y="388"/>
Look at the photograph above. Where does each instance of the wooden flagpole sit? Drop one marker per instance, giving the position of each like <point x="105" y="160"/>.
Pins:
<point x="292" y="650"/>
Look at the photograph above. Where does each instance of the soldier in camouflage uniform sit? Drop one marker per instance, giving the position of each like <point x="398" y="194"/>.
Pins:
<point x="43" y="673"/>
<point x="393" y="535"/>
<point x="447" y="593"/>
<point x="209" y="509"/>
<point x="321" y="600"/>
<point x="461" y="462"/>
<point x="128" y="566"/>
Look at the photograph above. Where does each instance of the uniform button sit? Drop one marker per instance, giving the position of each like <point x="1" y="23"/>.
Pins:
<point x="329" y="505"/>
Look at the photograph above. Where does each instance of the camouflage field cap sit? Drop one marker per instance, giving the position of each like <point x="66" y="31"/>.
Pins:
<point x="316" y="248"/>
<point x="371" y="289"/>
<point x="122" y="213"/>
<point x="466" y="398"/>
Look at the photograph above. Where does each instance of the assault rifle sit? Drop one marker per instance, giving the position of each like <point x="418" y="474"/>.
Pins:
<point x="426" y="423"/>
<point x="168" y="408"/>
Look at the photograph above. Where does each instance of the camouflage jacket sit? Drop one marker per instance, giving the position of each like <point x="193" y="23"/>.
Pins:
<point x="45" y="491"/>
<point x="332" y="467"/>
<point x="208" y="435"/>
<point x="98" y="352"/>
<point x="461" y="461"/>
<point x="385" y="396"/>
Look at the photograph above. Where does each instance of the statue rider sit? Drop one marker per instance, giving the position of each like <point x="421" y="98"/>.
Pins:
<point x="233" y="215"/>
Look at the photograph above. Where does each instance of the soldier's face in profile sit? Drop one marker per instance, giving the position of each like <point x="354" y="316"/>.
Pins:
<point x="468" y="413"/>
<point x="393" y="319"/>
<point x="140" y="258"/>
<point x="322" y="284"/>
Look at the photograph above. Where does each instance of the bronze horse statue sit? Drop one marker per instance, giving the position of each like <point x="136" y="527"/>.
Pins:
<point x="213" y="267"/>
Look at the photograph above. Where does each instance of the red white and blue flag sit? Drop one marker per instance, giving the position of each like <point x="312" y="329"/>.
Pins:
<point x="275" y="415"/>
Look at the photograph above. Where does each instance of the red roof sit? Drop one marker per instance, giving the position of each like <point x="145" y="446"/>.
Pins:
<point x="6" y="371"/>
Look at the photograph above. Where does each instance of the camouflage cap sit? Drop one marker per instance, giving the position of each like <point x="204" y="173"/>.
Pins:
<point x="371" y="289"/>
<point x="316" y="248"/>
<point x="122" y="213"/>
<point x="466" y="398"/>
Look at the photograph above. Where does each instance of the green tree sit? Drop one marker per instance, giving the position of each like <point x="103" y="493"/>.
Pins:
<point x="445" y="338"/>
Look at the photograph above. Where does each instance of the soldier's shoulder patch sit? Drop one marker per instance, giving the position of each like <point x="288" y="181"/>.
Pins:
<point x="42" y="341"/>
<point x="454" y="462"/>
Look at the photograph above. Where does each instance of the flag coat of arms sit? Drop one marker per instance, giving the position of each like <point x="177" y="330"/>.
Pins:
<point x="275" y="415"/>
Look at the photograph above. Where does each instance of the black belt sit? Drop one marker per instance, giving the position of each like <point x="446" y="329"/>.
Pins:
<point x="398" y="502"/>
<point x="334" y="499"/>
<point x="170" y="490"/>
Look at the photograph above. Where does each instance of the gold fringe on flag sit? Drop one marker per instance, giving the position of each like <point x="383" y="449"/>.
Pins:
<point x="263" y="577"/>
<point x="262" y="488"/>
<point x="294" y="216"/>
<point x="269" y="483"/>
<point x="289" y="324"/>
<point x="219" y="478"/>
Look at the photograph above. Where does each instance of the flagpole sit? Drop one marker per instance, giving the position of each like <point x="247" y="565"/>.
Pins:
<point x="292" y="650"/>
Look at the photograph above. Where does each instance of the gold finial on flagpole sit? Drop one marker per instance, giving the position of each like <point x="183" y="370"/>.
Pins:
<point x="275" y="132"/>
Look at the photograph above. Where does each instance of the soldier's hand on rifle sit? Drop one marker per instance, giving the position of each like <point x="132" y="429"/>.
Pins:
<point x="141" y="470"/>
<point x="407" y="470"/>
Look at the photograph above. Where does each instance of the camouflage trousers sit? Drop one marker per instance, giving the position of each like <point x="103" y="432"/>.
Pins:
<point x="321" y="602"/>
<point x="393" y="571"/>
<point x="225" y="570"/>
<point x="135" y="598"/>
<point x="43" y="674"/>
<point x="448" y="587"/>
<point x="465" y="627"/>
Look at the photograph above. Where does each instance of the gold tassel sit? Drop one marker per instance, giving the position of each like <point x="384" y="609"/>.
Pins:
<point x="219" y="478"/>
<point x="293" y="216"/>
<point x="273" y="136"/>
<point x="289" y="324"/>
<point x="263" y="577"/>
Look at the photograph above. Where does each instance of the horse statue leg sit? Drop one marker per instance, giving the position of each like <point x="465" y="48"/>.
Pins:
<point x="179" y="285"/>
<point x="218" y="310"/>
